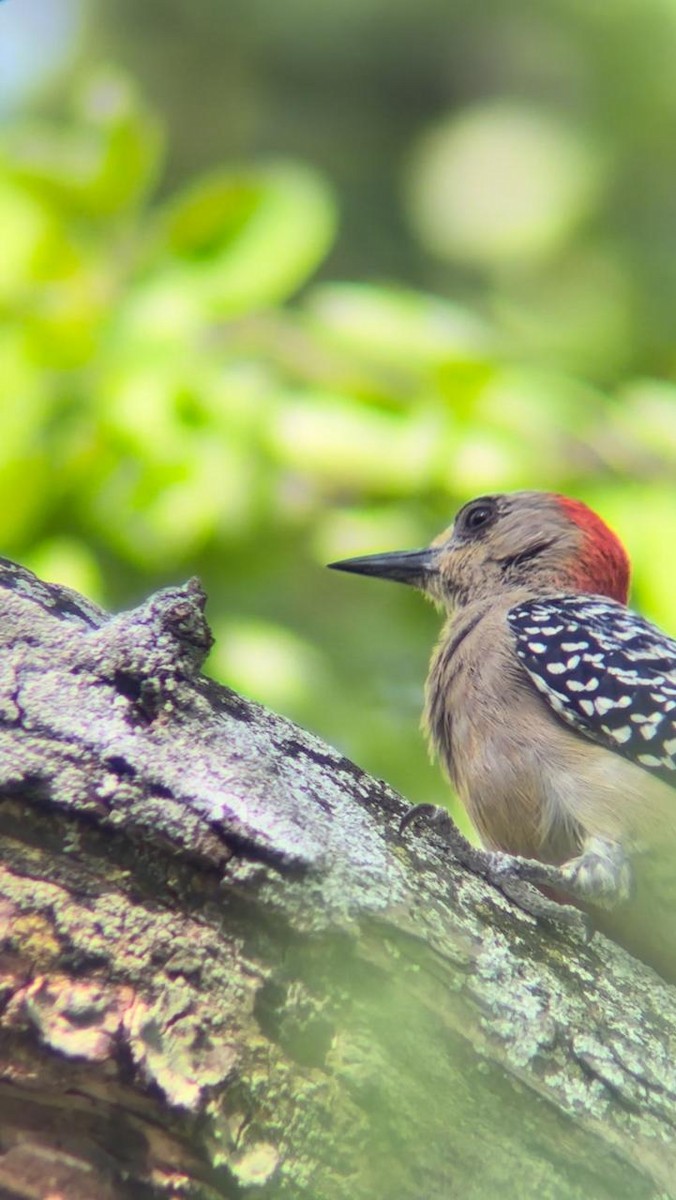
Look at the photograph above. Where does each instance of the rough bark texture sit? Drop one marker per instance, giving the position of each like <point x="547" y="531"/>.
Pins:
<point x="224" y="974"/>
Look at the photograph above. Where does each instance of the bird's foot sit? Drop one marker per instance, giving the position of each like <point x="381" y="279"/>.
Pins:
<point x="600" y="875"/>
<point x="514" y="876"/>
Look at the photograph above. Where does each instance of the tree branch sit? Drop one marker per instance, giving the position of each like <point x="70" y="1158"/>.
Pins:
<point x="225" y="974"/>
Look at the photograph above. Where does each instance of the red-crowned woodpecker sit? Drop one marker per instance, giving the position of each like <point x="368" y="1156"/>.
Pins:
<point x="552" y="707"/>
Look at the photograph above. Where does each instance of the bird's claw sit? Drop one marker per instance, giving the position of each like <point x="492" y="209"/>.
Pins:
<point x="518" y="878"/>
<point x="442" y="822"/>
<point x="416" y="812"/>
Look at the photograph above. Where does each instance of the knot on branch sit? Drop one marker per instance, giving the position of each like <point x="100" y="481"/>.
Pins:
<point x="166" y="635"/>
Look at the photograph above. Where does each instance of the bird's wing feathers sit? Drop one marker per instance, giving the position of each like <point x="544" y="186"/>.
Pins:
<point x="605" y="671"/>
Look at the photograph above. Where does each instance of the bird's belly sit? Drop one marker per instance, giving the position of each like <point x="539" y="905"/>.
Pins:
<point x="514" y="801"/>
<point x="543" y="795"/>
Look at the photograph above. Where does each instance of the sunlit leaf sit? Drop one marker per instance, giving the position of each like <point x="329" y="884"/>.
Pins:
<point x="243" y="239"/>
<point x="502" y="183"/>
<point x="408" y="329"/>
<point x="99" y="166"/>
<point x="345" y="445"/>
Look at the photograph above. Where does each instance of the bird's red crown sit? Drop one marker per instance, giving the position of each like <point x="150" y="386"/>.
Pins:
<point x="604" y="566"/>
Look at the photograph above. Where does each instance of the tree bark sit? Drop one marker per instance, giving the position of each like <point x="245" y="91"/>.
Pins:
<point x="225" y="974"/>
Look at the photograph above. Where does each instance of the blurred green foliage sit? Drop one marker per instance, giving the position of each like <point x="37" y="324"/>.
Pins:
<point x="177" y="396"/>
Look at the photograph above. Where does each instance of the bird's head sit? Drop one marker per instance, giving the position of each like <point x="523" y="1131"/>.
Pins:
<point x="538" y="541"/>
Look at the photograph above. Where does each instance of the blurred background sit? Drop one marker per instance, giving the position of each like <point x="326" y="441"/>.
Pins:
<point x="282" y="283"/>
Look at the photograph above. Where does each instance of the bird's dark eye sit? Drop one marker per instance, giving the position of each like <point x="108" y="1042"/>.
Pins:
<point x="477" y="516"/>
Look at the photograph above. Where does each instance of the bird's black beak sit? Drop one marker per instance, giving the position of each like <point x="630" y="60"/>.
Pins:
<point x="401" y="566"/>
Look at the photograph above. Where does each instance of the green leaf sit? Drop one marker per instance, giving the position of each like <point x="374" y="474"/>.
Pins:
<point x="340" y="443"/>
<point x="103" y="163"/>
<point x="406" y="329"/>
<point x="247" y="239"/>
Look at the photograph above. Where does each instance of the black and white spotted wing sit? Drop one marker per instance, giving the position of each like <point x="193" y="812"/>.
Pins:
<point x="606" y="671"/>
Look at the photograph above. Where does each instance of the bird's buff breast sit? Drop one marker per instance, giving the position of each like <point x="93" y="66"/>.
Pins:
<point x="482" y="720"/>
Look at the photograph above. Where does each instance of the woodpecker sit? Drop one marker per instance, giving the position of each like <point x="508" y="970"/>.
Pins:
<point x="551" y="706"/>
